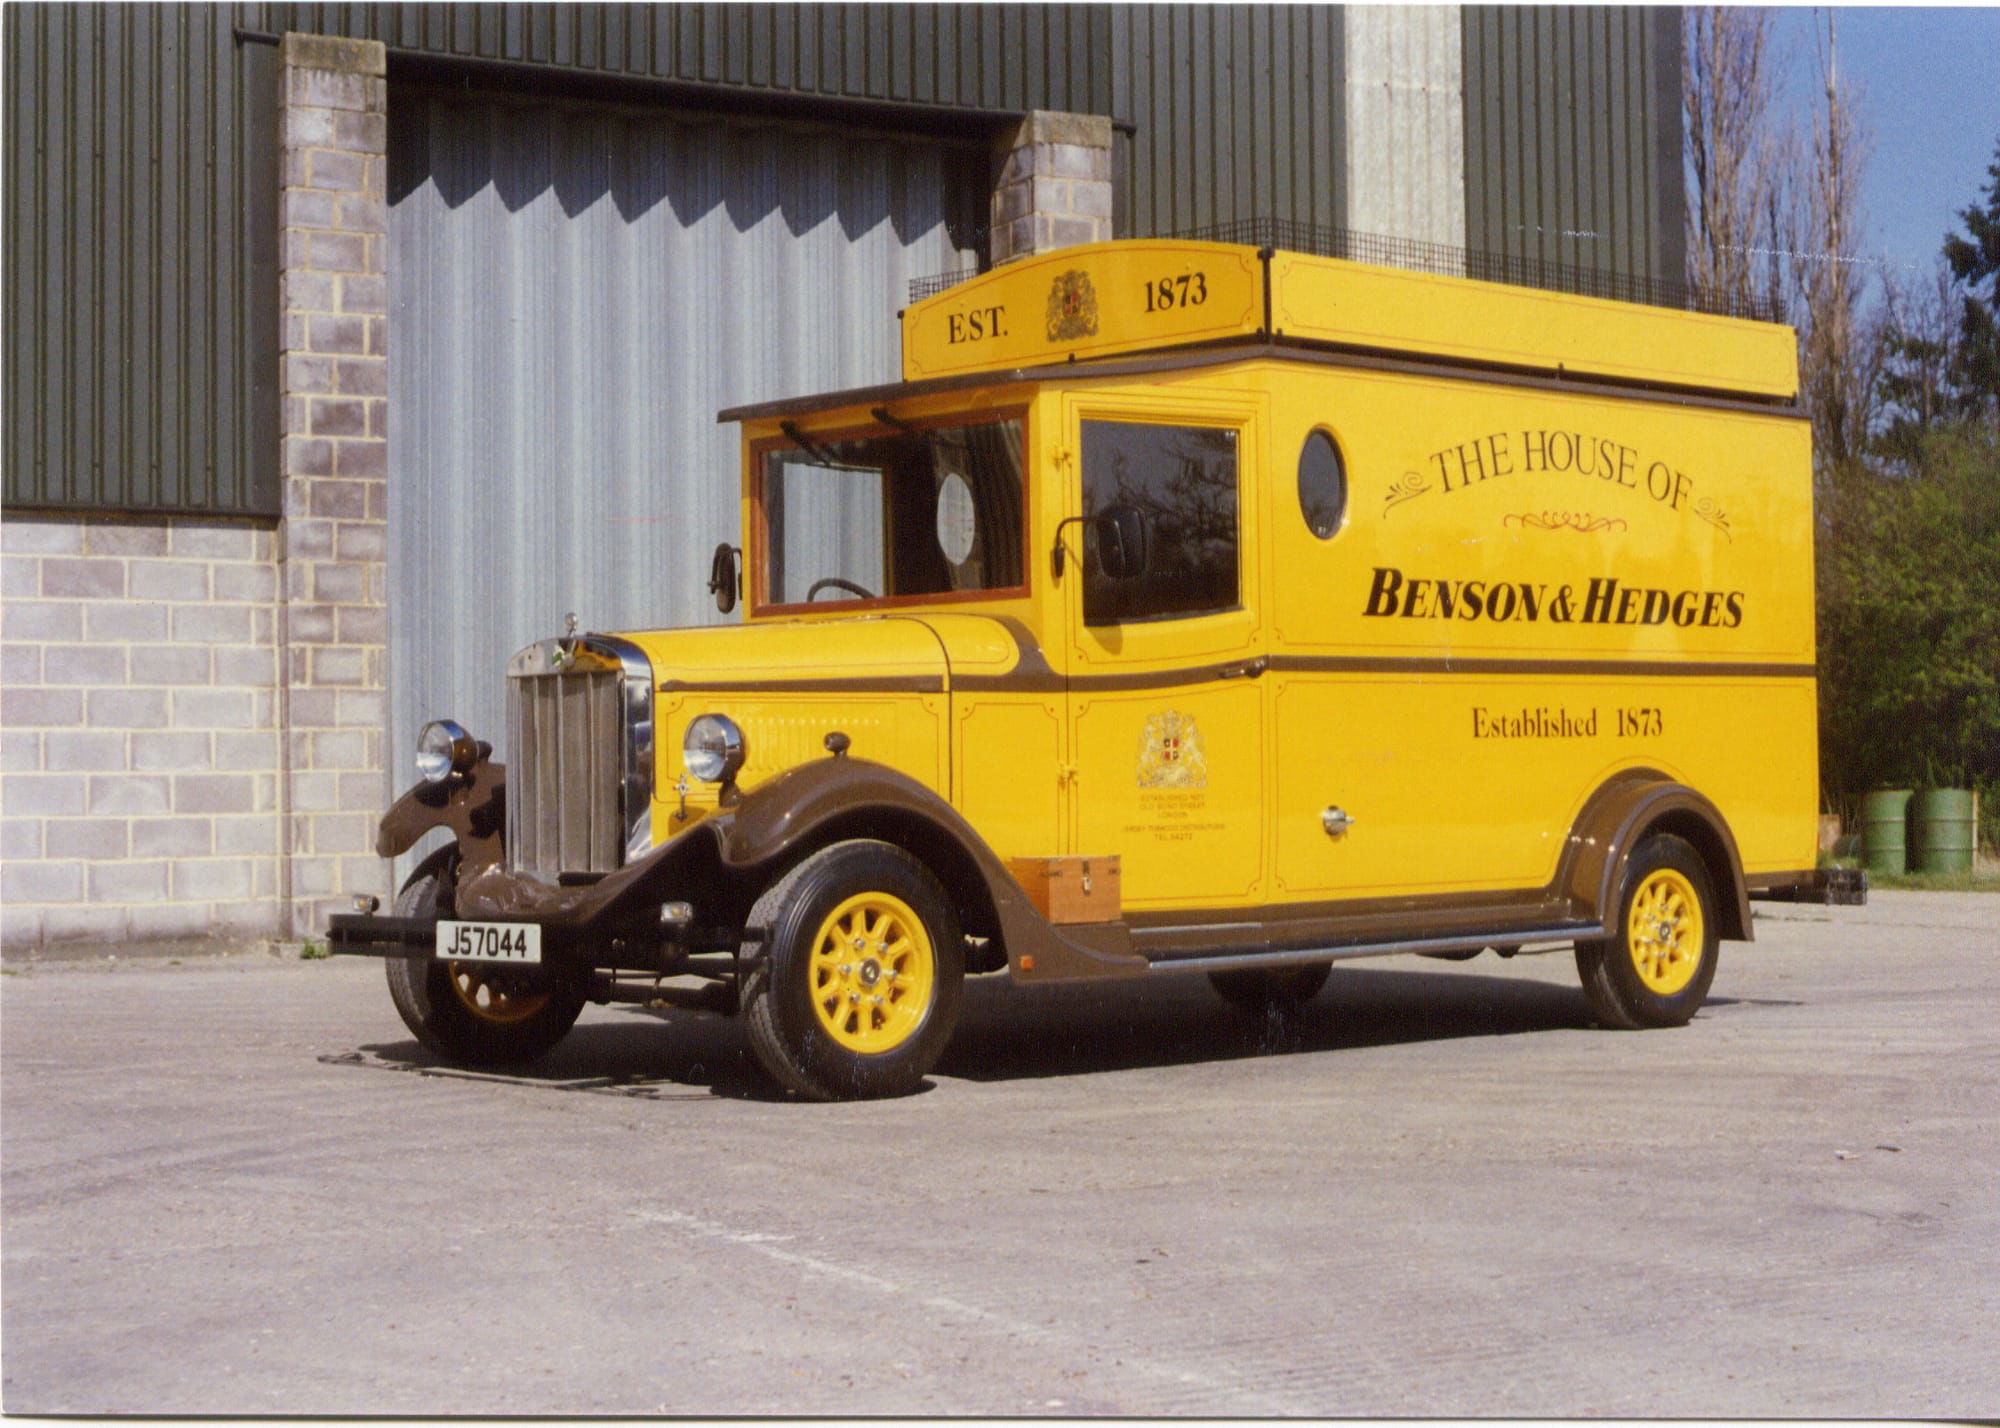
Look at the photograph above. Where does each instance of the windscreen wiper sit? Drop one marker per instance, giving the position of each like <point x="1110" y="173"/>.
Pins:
<point x="813" y="448"/>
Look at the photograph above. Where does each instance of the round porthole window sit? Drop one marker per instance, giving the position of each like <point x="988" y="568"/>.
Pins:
<point x="1322" y="485"/>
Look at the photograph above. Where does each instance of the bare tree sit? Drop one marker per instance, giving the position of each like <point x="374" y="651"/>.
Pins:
<point x="1773" y="209"/>
<point x="1838" y="361"/>
<point x="1918" y="337"/>
<point x="1735" y="156"/>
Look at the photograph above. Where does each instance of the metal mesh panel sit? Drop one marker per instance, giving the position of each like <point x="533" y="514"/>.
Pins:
<point x="921" y="288"/>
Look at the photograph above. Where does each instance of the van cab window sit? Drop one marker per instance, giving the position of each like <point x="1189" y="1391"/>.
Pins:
<point x="1183" y="479"/>
<point x="929" y="511"/>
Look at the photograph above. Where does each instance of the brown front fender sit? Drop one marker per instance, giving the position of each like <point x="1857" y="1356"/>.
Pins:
<point x="812" y="805"/>
<point x="472" y="806"/>
<point x="745" y="846"/>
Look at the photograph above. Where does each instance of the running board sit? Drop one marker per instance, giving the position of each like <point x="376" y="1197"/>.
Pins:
<point x="1302" y="956"/>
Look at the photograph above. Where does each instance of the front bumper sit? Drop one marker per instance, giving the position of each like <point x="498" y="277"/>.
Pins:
<point x="367" y="935"/>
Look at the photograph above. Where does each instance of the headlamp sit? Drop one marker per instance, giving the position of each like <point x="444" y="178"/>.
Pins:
<point x="443" y="749"/>
<point x="712" y="749"/>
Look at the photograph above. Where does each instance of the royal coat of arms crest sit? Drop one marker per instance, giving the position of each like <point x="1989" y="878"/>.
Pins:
<point x="1170" y="753"/>
<point x="1072" y="307"/>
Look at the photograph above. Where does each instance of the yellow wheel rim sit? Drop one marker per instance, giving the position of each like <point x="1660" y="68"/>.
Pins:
<point x="487" y="998"/>
<point x="1664" y="932"/>
<point x="873" y="971"/>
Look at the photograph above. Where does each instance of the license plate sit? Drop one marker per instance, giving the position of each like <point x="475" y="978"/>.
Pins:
<point x="490" y="941"/>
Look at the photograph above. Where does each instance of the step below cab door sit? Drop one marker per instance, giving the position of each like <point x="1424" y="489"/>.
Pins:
<point x="1165" y="706"/>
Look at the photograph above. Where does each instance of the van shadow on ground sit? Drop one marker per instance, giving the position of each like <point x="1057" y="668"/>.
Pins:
<point x="1008" y="1033"/>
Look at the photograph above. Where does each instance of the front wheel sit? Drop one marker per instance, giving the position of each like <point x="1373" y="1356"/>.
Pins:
<point x="857" y="989"/>
<point x="475" y="1013"/>
<point x="1657" y="969"/>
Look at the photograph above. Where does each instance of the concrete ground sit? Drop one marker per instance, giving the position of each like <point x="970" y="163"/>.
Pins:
<point x="235" y="1186"/>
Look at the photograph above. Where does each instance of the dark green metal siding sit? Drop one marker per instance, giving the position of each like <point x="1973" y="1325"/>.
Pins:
<point x="1007" y="57"/>
<point x="1238" y="112"/>
<point x="1573" y="136"/>
<point x="1235" y="111"/>
<point x="140" y="283"/>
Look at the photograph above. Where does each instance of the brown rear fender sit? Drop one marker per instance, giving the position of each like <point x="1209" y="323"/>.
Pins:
<point x="1630" y="806"/>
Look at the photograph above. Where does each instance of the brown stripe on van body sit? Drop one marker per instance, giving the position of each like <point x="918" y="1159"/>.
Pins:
<point x="1236" y="349"/>
<point x="1379" y="664"/>
<point x="1137" y="680"/>
<point x="1764" y="882"/>
<point x="1371" y="923"/>
<point x="1452" y="664"/>
<point x="1031" y="673"/>
<point x="864" y="684"/>
<point x="1533" y="378"/>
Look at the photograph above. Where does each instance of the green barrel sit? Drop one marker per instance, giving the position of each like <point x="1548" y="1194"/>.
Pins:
<point x="1882" y="829"/>
<point x="1941" y="831"/>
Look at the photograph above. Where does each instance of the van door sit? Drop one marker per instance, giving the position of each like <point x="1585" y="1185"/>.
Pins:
<point x="1165" y="706"/>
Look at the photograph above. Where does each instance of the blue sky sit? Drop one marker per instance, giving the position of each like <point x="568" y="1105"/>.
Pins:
<point x="1928" y="81"/>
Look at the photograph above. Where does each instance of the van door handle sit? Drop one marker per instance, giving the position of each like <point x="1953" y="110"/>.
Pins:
<point x="1249" y="669"/>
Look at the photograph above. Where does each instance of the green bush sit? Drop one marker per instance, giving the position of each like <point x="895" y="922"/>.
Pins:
<point x="1909" y="621"/>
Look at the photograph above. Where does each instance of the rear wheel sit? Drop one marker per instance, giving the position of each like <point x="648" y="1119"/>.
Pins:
<point x="857" y="989"/>
<point x="1255" y="989"/>
<point x="1658" y="968"/>
<point x="474" y="1013"/>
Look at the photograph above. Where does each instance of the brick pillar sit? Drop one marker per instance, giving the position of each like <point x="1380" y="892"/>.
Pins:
<point x="333" y="540"/>
<point x="1055" y="185"/>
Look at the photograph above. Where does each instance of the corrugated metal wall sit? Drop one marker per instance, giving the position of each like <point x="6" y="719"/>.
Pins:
<point x="141" y="261"/>
<point x="1237" y="113"/>
<point x="575" y="292"/>
<point x="1573" y="136"/>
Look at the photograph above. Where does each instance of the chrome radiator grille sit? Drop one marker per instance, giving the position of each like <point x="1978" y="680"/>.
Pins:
<point x="579" y="765"/>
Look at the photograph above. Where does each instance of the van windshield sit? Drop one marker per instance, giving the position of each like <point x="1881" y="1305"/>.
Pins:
<point x="931" y="511"/>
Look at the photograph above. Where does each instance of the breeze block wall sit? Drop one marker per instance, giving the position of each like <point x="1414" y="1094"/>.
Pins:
<point x="139" y="741"/>
<point x="334" y="536"/>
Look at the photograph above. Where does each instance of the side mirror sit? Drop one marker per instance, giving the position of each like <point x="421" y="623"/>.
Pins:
<point x="1122" y="542"/>
<point x="724" y="577"/>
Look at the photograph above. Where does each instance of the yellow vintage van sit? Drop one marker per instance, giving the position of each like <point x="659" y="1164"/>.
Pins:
<point x="1186" y="608"/>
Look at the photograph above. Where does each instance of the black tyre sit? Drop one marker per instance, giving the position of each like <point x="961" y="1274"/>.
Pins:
<point x="473" y="1013"/>
<point x="1658" y="968"/>
<point x="1255" y="989"/>
<point x="857" y="989"/>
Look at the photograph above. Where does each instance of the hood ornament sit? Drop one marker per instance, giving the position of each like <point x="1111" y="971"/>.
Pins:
<point x="565" y="649"/>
